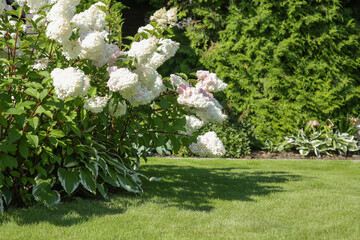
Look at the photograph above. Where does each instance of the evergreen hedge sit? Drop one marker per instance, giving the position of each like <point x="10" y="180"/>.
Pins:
<point x="286" y="62"/>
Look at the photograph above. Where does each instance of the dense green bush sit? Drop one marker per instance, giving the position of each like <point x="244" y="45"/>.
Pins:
<point x="286" y="61"/>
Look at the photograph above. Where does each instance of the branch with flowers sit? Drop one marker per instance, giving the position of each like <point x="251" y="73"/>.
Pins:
<point x="78" y="106"/>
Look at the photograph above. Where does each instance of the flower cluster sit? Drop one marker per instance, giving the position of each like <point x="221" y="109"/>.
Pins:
<point x="313" y="123"/>
<point x="70" y="82"/>
<point x="193" y="124"/>
<point x="96" y="104"/>
<point x="165" y="18"/>
<point x="210" y="82"/>
<point x="208" y="145"/>
<point x="202" y="103"/>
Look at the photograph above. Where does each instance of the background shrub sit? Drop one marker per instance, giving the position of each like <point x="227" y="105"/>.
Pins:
<point x="287" y="61"/>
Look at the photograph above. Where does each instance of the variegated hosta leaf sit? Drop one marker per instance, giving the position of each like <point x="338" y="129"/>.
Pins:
<point x="43" y="193"/>
<point x="69" y="179"/>
<point x="87" y="180"/>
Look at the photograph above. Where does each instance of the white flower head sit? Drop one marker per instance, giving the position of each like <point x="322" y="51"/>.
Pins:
<point x="59" y="30"/>
<point x="124" y="81"/>
<point x="71" y="49"/>
<point x="92" y="19"/>
<point x="2" y="7"/>
<point x="41" y="64"/>
<point x="210" y="82"/>
<point x="193" y="97"/>
<point x="92" y="46"/>
<point x="208" y="145"/>
<point x="177" y="80"/>
<point x="165" y="18"/>
<point x="141" y="97"/>
<point x="193" y="124"/>
<point x="143" y="49"/>
<point x="147" y="76"/>
<point x="96" y="104"/>
<point x="70" y="82"/>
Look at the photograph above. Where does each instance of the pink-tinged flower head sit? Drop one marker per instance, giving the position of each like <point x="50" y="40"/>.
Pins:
<point x="206" y="94"/>
<point x="115" y="55"/>
<point x="353" y="120"/>
<point x="202" y="75"/>
<point x="313" y="123"/>
<point x="182" y="88"/>
<point x="112" y="69"/>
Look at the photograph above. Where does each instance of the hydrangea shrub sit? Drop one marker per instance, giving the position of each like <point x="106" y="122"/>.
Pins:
<point x="79" y="108"/>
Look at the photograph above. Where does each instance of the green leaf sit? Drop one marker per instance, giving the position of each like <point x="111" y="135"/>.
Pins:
<point x="14" y="135"/>
<point x="24" y="148"/>
<point x="87" y="180"/>
<point x="15" y="111"/>
<point x="102" y="190"/>
<point x="69" y="179"/>
<point x="32" y="92"/>
<point x="127" y="184"/>
<point x="43" y="193"/>
<point x="34" y="122"/>
<point x="57" y="133"/>
<point x="8" y="161"/>
<point x="33" y="139"/>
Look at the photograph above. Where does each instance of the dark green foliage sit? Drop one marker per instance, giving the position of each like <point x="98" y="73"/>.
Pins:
<point x="286" y="61"/>
<point x="236" y="137"/>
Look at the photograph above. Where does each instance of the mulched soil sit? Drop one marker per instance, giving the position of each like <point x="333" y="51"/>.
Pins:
<point x="294" y="155"/>
<point x="260" y="154"/>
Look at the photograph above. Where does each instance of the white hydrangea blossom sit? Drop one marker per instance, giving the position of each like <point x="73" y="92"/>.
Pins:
<point x="124" y="81"/>
<point x="96" y="104"/>
<point x="193" y="124"/>
<point x="143" y="49"/>
<point x="70" y="82"/>
<point x="158" y="87"/>
<point x="62" y="8"/>
<point x="2" y="6"/>
<point x="147" y="76"/>
<point x="210" y="82"/>
<point x="165" y="51"/>
<point x="41" y="64"/>
<point x="212" y="113"/>
<point x="142" y="97"/>
<point x="193" y="97"/>
<point x="92" y="19"/>
<point x="71" y="49"/>
<point x="92" y="46"/>
<point x="117" y="110"/>
<point x="177" y="80"/>
<point x="164" y="18"/>
<point x="59" y="30"/>
<point x="36" y="5"/>
<point x="168" y="47"/>
<point x="146" y="29"/>
<point x="208" y="145"/>
<point x="156" y="60"/>
<point x="108" y="51"/>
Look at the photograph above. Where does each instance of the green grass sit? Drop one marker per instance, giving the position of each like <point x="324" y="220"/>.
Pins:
<point x="211" y="199"/>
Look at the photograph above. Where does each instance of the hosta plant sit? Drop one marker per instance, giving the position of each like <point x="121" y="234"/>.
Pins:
<point x="79" y="109"/>
<point x="320" y="139"/>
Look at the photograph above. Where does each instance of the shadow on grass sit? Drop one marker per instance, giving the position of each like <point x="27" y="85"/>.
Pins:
<point x="184" y="187"/>
<point x="194" y="188"/>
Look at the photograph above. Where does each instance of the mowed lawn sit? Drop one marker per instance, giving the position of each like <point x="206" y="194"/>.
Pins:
<point x="211" y="199"/>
